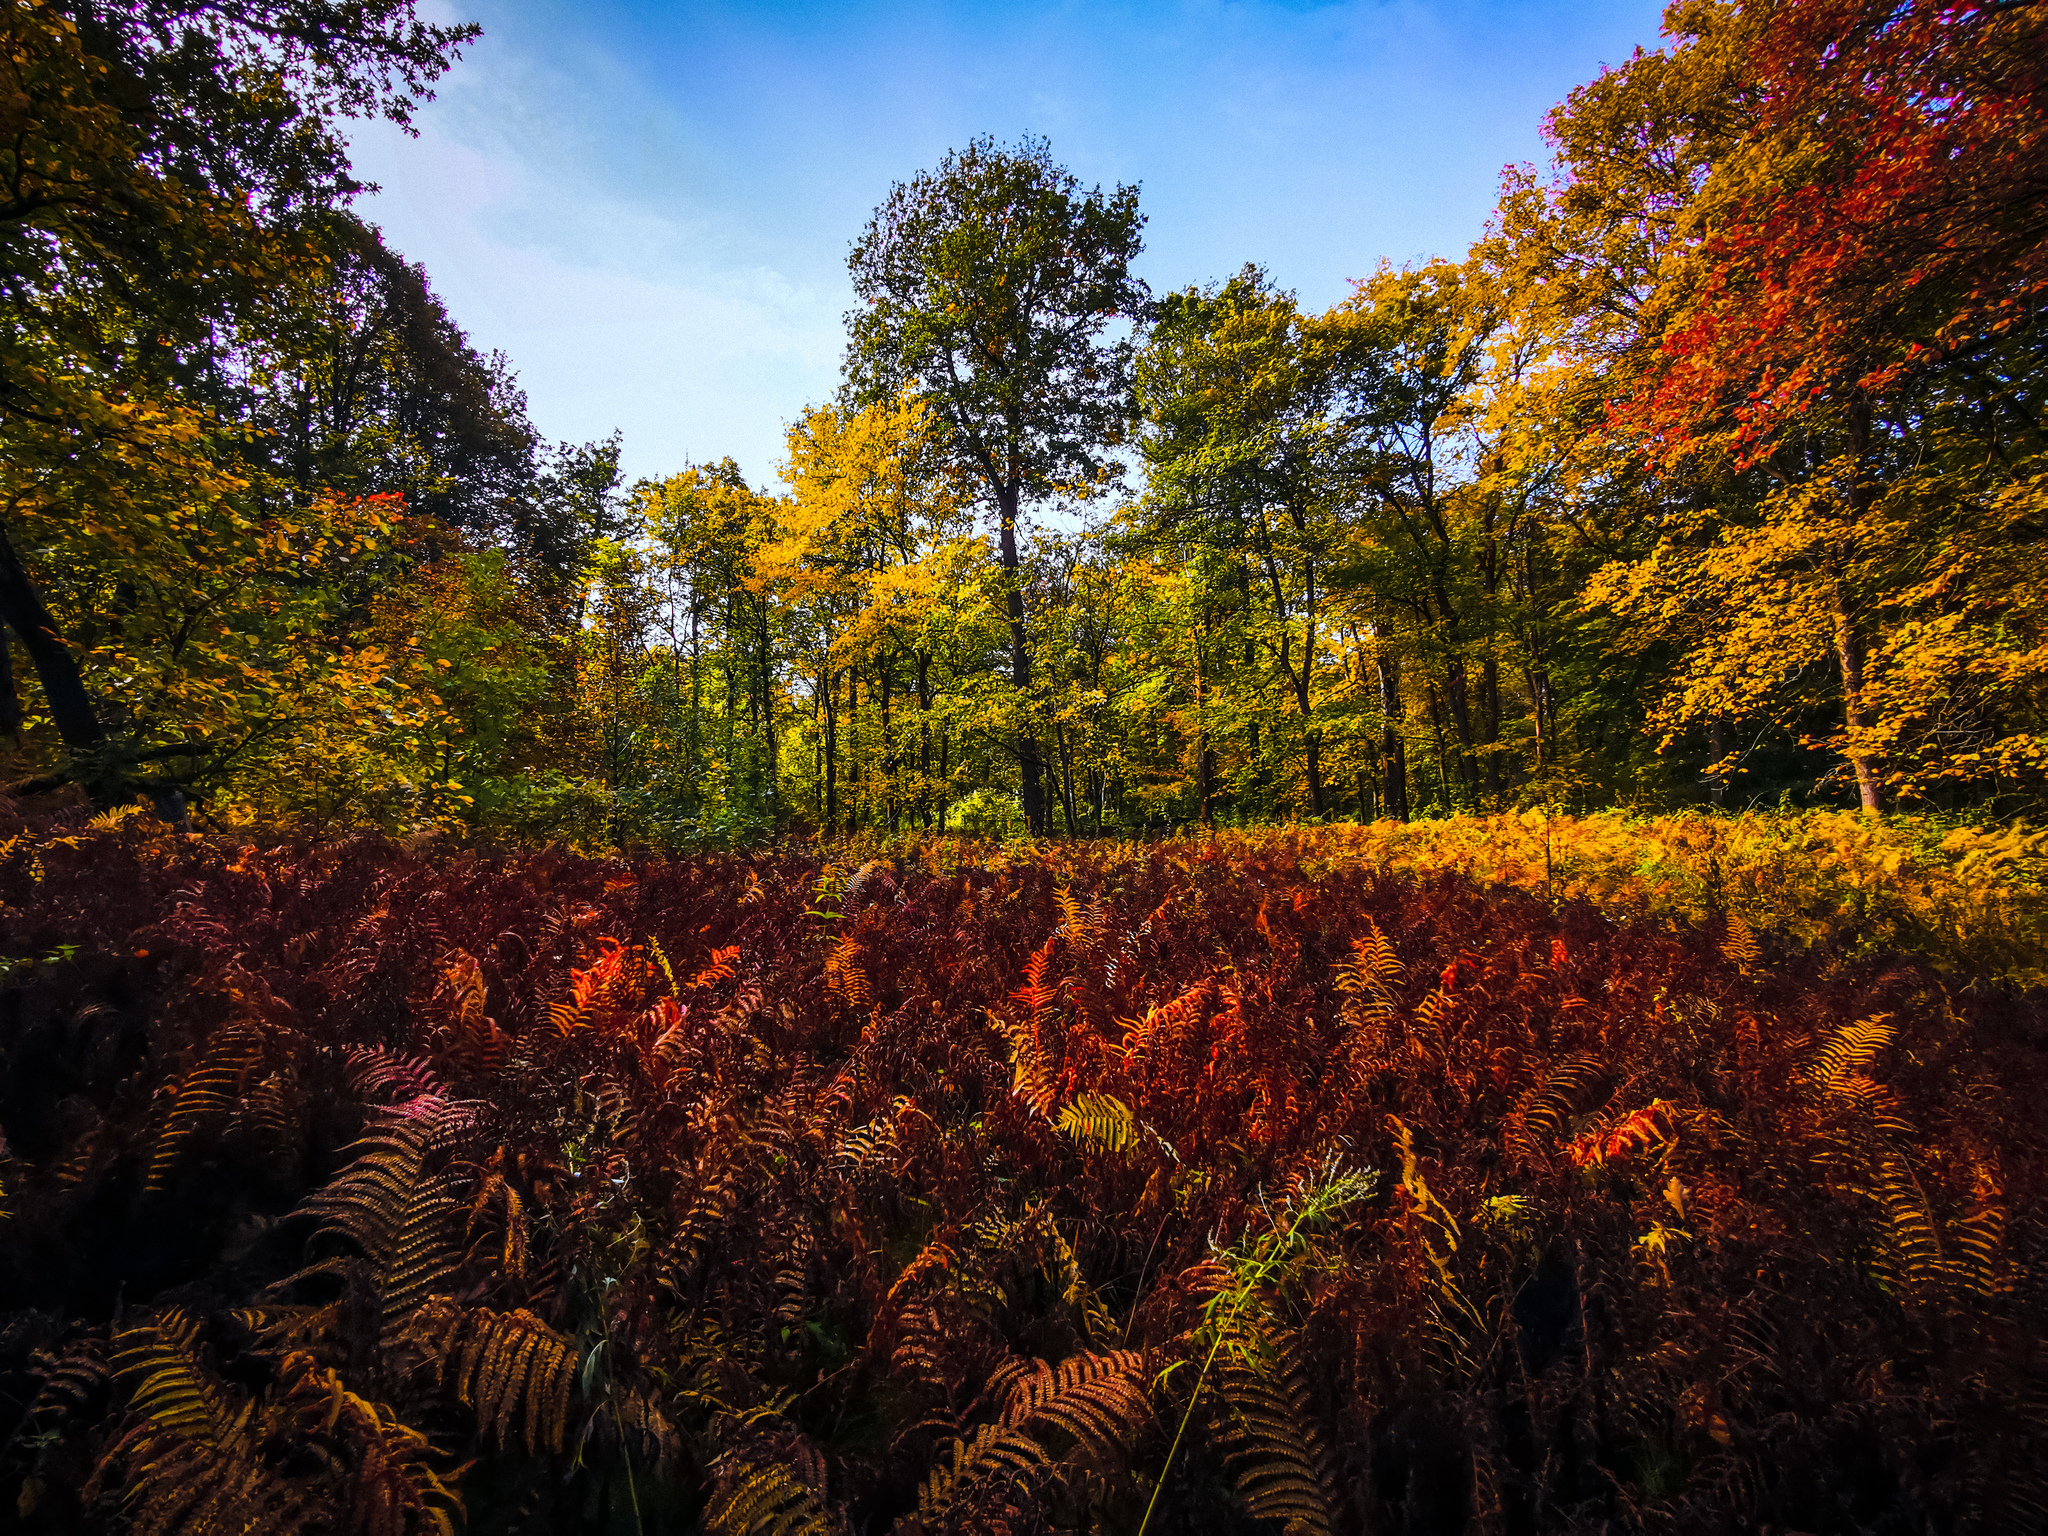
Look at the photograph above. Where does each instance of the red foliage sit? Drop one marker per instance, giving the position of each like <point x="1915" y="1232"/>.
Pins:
<point x="1655" y="1242"/>
<point x="1886" y="216"/>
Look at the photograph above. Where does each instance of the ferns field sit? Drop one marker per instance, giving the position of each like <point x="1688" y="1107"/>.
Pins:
<point x="1230" y="1184"/>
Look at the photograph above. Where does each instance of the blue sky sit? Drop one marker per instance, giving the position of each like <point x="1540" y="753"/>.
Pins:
<point x="648" y="206"/>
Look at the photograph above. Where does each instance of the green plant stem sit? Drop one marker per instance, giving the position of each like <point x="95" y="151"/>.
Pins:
<point x="1174" y="1449"/>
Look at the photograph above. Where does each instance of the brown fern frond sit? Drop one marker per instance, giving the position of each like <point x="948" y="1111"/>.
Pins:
<point x="1270" y="1442"/>
<point x="1374" y="969"/>
<point x="393" y="1482"/>
<point x="993" y="1455"/>
<point x="1911" y="1259"/>
<point x="1539" y="1116"/>
<point x="1979" y="1236"/>
<point x="846" y="974"/>
<point x="1163" y="1022"/>
<point x="386" y="1077"/>
<point x="396" y="1212"/>
<point x="936" y="1257"/>
<point x="1849" y="1050"/>
<point x="190" y="1460"/>
<point x="1739" y="946"/>
<point x="1098" y="1401"/>
<point x="169" y="1388"/>
<point x="512" y="1244"/>
<point x="71" y="1378"/>
<point x="761" y="1500"/>
<point x="510" y="1367"/>
<point x="719" y="969"/>
<point x="205" y="1098"/>
<point x="468" y="1041"/>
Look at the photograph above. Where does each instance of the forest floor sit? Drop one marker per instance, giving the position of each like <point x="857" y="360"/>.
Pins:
<point x="1516" y="1174"/>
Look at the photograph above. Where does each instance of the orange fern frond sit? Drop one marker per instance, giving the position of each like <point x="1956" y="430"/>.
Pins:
<point x="205" y="1097"/>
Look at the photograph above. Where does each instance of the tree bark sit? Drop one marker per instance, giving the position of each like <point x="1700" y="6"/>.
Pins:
<point x="71" y="707"/>
<point x="1393" y="749"/>
<point x="1457" y="693"/>
<point x="831" y="752"/>
<point x="1028" y="763"/>
<point x="10" y="696"/>
<point x="1849" y="653"/>
<point x="1490" y="676"/>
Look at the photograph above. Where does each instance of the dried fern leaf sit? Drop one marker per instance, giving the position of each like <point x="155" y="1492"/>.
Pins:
<point x="1099" y="1401"/>
<point x="1849" y="1050"/>
<point x="515" y="1371"/>
<point x="993" y="1454"/>
<point x="206" y="1096"/>
<point x="1540" y="1115"/>
<point x="169" y="1388"/>
<point x="765" y="1501"/>
<point x="1270" y="1441"/>
<point x="398" y="1214"/>
<point x="1739" y="946"/>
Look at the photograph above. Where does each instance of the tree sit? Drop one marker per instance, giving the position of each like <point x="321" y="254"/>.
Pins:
<point x="994" y="285"/>
<point x="1236" y="443"/>
<point x="1837" y="372"/>
<point x="361" y="383"/>
<point x="157" y="169"/>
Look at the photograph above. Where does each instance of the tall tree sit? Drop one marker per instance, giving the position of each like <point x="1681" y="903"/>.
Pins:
<point x="157" y="168"/>
<point x="996" y="286"/>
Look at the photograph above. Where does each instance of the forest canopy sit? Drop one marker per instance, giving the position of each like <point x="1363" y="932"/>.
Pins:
<point x="1713" y="473"/>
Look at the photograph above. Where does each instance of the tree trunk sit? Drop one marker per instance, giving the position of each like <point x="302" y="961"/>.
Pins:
<point x="1393" y="749"/>
<point x="10" y="696"/>
<point x="1849" y="653"/>
<point x="768" y="715"/>
<point x="1717" y="748"/>
<point x="885" y="670"/>
<point x="852" y="748"/>
<point x="1457" y="693"/>
<point x="1020" y="661"/>
<point x="831" y="752"/>
<point x="1065" y="746"/>
<point x="1490" y="681"/>
<point x="924" y="738"/>
<point x="71" y="707"/>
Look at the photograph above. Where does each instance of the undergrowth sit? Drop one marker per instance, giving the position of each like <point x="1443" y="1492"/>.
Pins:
<point x="1248" y="1183"/>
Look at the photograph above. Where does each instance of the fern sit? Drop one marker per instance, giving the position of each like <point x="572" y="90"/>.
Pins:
<point x="765" y="1501"/>
<point x="1374" y="969"/>
<point x="1911" y="1260"/>
<point x="160" y="1359"/>
<point x="1849" y="1050"/>
<point x="1739" y="946"/>
<point x="1100" y="1122"/>
<point x="1979" y="1236"/>
<point x="71" y="1379"/>
<point x="719" y="969"/>
<point x="469" y="1042"/>
<point x="511" y="1368"/>
<point x="1270" y="1442"/>
<point x="392" y="1480"/>
<point x="205" y="1098"/>
<point x="994" y="1455"/>
<point x="1540" y="1115"/>
<point x="396" y="1212"/>
<point x="1098" y="1401"/>
<point x="190" y="1460"/>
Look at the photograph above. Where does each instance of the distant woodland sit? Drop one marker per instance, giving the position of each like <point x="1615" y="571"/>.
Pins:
<point x="1714" y="473"/>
